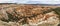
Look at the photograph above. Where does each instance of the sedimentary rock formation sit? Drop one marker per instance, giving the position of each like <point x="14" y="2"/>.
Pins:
<point x="28" y="15"/>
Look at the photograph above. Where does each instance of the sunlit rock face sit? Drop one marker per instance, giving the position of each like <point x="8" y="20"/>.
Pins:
<point x="28" y="15"/>
<point x="48" y="19"/>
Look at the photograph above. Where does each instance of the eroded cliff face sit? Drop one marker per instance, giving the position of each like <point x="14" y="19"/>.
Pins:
<point x="29" y="15"/>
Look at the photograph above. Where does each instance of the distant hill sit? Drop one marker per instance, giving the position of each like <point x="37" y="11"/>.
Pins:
<point x="33" y="4"/>
<point x="6" y="3"/>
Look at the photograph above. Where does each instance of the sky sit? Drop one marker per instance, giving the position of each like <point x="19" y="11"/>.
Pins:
<point x="31" y="1"/>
